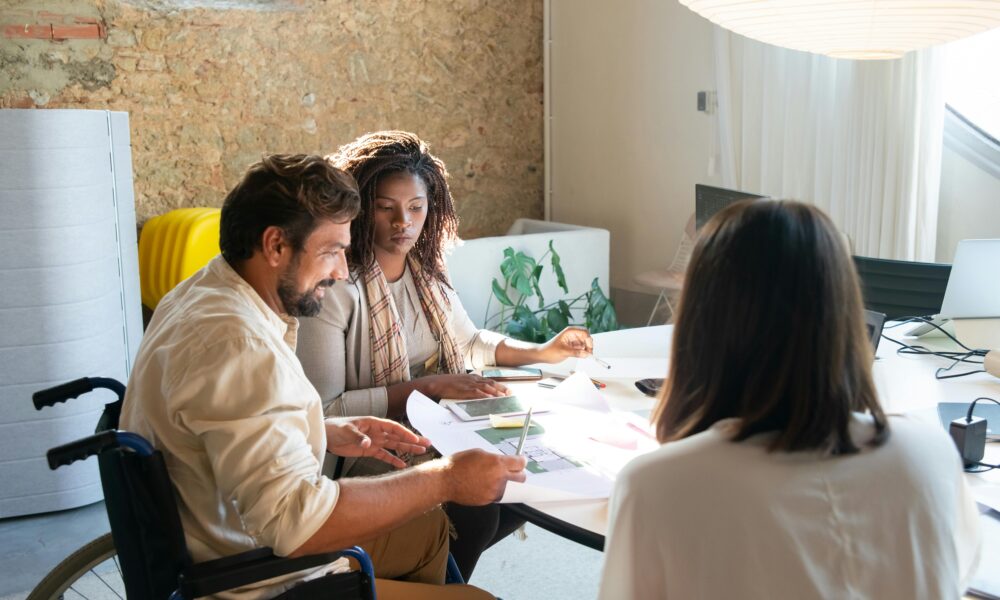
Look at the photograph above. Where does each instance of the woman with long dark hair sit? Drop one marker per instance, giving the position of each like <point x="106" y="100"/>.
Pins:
<point x="398" y="325"/>
<point x="780" y="476"/>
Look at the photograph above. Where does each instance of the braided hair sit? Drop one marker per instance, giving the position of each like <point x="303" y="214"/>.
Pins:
<point x="374" y="156"/>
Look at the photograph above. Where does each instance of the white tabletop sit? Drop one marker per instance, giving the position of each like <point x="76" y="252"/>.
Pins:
<point x="904" y="383"/>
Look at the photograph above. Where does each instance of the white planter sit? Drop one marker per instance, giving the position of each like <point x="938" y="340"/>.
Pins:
<point x="584" y="252"/>
<point x="69" y="291"/>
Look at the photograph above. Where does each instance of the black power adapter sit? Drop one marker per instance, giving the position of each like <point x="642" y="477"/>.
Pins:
<point x="969" y="434"/>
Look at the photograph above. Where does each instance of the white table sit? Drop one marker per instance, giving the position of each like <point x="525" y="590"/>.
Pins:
<point x="905" y="384"/>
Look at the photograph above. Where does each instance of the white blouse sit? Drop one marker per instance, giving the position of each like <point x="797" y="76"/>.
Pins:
<point x="706" y="517"/>
<point x="421" y="345"/>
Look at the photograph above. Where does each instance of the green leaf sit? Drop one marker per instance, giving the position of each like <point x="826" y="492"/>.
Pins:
<point x="524" y="325"/>
<point x="557" y="268"/>
<point x="517" y="269"/>
<point x="556" y="320"/>
<point x="516" y="329"/>
<point x="500" y="294"/>
<point x="507" y="264"/>
<point x="566" y="312"/>
<point x="546" y="330"/>
<point x="535" y="276"/>
<point x="600" y="314"/>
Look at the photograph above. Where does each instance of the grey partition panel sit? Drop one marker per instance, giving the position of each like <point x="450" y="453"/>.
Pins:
<point x="69" y="291"/>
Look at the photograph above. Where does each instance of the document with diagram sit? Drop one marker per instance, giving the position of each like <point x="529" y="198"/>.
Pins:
<point x="573" y="452"/>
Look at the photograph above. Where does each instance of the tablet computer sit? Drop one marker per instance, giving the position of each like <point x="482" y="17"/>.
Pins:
<point x="512" y="373"/>
<point x="482" y="408"/>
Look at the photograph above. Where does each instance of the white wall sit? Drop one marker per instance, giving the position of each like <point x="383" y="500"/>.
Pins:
<point x="969" y="206"/>
<point x="628" y="144"/>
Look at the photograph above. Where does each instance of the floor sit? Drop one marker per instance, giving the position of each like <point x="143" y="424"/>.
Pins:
<point x="543" y="566"/>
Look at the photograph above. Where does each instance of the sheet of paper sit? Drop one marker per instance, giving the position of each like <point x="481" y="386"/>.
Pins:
<point x="986" y="493"/>
<point x="565" y="461"/>
<point x="577" y="390"/>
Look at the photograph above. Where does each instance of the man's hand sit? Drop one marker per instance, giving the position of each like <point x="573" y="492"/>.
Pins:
<point x="374" y="437"/>
<point x="460" y="387"/>
<point x="477" y="477"/>
<point x="570" y="342"/>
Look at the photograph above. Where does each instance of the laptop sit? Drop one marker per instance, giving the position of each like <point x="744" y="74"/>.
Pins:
<point x="973" y="290"/>
<point x="874" y="321"/>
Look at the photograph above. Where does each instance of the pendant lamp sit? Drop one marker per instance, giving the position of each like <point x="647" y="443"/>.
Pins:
<point x="858" y="29"/>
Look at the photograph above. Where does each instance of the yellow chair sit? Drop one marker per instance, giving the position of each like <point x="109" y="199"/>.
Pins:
<point x="172" y="247"/>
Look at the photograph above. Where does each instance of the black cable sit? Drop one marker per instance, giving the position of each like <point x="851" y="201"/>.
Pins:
<point x="929" y="321"/>
<point x="973" y="468"/>
<point x="957" y="357"/>
<point x="972" y="406"/>
<point x="938" y="375"/>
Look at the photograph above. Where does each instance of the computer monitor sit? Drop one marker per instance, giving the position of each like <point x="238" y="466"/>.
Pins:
<point x="709" y="200"/>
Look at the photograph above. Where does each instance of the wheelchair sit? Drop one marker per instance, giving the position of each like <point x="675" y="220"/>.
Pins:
<point x="146" y="553"/>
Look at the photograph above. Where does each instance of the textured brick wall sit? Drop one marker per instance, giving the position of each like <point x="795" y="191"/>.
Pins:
<point x="209" y="90"/>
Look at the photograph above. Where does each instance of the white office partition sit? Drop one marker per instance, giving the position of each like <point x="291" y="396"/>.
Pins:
<point x="69" y="291"/>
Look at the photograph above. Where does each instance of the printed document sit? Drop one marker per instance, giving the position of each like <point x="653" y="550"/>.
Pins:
<point x="574" y="450"/>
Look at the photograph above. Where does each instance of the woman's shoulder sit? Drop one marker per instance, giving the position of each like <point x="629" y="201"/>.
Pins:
<point x="340" y="301"/>
<point x="920" y="440"/>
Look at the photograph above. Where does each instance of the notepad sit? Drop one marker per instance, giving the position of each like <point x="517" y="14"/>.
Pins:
<point x="502" y="422"/>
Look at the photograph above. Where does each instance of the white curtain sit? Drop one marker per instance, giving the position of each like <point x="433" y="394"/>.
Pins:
<point x="860" y="139"/>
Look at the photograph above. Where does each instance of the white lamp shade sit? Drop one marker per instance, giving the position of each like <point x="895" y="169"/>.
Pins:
<point x="859" y="29"/>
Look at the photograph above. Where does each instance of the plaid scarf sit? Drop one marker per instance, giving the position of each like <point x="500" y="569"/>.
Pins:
<point x="390" y="363"/>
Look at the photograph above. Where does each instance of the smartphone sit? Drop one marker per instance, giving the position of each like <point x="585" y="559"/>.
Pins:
<point x="512" y="373"/>
<point x="650" y="387"/>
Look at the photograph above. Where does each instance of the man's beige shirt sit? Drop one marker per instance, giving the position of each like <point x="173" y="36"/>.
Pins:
<point x="216" y="387"/>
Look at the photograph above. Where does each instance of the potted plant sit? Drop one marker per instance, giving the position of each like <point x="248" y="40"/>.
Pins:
<point x="518" y="319"/>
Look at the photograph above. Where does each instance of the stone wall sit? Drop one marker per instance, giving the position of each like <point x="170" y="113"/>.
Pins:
<point x="210" y="86"/>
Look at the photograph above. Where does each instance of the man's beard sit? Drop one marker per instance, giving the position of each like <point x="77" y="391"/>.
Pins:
<point x="299" y="304"/>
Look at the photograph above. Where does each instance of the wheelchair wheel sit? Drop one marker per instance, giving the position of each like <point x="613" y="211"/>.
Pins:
<point x="90" y="572"/>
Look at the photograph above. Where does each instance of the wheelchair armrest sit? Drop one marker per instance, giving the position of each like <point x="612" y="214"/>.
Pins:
<point x="214" y="576"/>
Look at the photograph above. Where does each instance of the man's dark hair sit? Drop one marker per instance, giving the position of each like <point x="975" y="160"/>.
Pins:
<point x="377" y="155"/>
<point x="290" y="191"/>
<point x="770" y="330"/>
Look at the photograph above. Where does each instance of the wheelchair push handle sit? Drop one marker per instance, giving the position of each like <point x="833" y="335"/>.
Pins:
<point x="72" y="389"/>
<point x="81" y="449"/>
<point x="101" y="441"/>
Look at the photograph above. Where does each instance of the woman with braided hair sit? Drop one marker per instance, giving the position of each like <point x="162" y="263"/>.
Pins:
<point x="398" y="325"/>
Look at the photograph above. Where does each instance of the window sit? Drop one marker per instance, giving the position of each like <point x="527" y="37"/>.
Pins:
<point x="972" y="82"/>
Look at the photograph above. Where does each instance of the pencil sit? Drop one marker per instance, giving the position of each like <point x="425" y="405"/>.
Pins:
<point x="524" y="432"/>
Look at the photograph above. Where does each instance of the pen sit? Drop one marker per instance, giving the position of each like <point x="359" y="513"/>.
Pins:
<point x="524" y="432"/>
<point x="600" y="362"/>
<point x="597" y="384"/>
